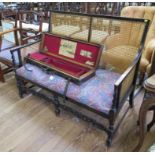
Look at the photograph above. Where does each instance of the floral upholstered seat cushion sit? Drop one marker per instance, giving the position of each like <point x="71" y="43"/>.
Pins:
<point x="96" y="93"/>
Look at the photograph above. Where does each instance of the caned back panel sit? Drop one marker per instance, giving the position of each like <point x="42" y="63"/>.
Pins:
<point x="96" y="29"/>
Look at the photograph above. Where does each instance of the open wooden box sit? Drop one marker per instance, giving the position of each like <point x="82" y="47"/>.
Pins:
<point x="73" y="59"/>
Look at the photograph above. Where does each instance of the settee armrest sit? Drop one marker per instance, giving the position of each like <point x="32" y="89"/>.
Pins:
<point x="18" y="50"/>
<point x="125" y="85"/>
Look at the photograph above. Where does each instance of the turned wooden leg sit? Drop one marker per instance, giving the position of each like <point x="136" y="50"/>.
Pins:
<point x="141" y="78"/>
<point x="131" y="99"/>
<point x="1" y="75"/>
<point x="142" y="119"/>
<point x="110" y="135"/>
<point x="57" y="106"/>
<point x="110" y="129"/>
<point x="20" y="85"/>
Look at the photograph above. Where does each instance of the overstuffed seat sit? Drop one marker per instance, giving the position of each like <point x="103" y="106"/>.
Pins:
<point x="114" y="41"/>
<point x="91" y="93"/>
<point x="124" y="55"/>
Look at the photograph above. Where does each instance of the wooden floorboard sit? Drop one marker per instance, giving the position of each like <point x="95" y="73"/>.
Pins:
<point x="30" y="124"/>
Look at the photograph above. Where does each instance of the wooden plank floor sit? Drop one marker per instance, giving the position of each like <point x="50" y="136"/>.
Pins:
<point x="29" y="124"/>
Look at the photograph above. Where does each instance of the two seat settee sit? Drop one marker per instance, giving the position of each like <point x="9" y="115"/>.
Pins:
<point x="104" y="92"/>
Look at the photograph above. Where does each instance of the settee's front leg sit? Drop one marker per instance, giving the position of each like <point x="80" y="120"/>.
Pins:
<point x="110" y="129"/>
<point x="57" y="105"/>
<point x="20" y="85"/>
<point x="110" y="135"/>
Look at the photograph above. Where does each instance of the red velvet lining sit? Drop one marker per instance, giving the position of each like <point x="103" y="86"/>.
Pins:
<point x="60" y="64"/>
<point x="52" y="44"/>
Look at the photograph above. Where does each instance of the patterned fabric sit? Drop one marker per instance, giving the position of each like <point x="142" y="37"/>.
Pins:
<point x="96" y="92"/>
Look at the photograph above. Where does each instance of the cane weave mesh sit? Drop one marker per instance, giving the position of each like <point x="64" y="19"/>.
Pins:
<point x="69" y="24"/>
<point x="127" y="83"/>
<point x="121" y="38"/>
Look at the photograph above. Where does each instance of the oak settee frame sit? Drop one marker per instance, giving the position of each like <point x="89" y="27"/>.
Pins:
<point x="119" y="97"/>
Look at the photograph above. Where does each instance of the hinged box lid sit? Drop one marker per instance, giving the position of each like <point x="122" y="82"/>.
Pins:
<point x="74" y="59"/>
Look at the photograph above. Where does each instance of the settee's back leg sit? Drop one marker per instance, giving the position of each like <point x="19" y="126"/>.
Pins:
<point x="131" y="99"/>
<point x="141" y="78"/>
<point x="57" y="105"/>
